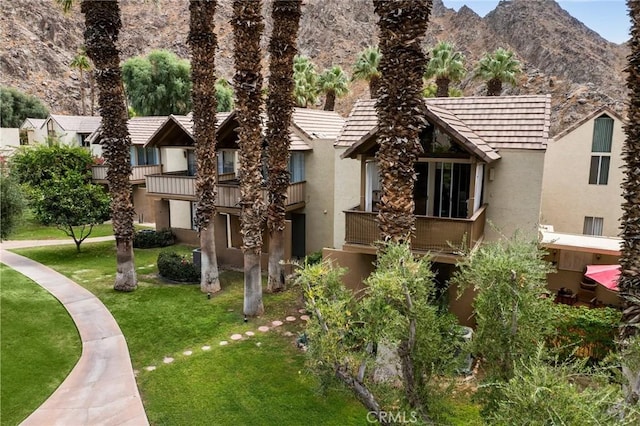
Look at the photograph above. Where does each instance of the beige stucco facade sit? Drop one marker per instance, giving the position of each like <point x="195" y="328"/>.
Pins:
<point x="346" y="194"/>
<point x="567" y="196"/>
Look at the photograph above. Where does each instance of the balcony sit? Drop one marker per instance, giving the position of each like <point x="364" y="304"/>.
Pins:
<point x="433" y="234"/>
<point x="138" y="173"/>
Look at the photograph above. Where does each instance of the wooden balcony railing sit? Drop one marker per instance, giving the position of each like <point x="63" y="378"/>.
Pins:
<point x="434" y="234"/>
<point x="138" y="173"/>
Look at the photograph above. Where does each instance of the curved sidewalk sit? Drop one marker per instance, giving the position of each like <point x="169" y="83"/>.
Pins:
<point x="101" y="389"/>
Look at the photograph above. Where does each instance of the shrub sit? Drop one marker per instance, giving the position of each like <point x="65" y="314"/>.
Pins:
<point x="177" y="268"/>
<point x="150" y="238"/>
<point x="313" y="258"/>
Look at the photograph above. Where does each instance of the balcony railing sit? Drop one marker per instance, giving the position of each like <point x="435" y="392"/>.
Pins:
<point x="138" y="173"/>
<point x="436" y="234"/>
<point x="176" y="184"/>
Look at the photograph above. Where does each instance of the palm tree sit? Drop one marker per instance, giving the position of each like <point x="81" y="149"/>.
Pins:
<point x="498" y="67"/>
<point x="629" y="283"/>
<point x="247" y="29"/>
<point x="203" y="43"/>
<point x="282" y="48"/>
<point x="401" y="113"/>
<point x="306" y="81"/>
<point x="102" y="26"/>
<point x="333" y="83"/>
<point x="82" y="64"/>
<point x="367" y="67"/>
<point x="446" y="65"/>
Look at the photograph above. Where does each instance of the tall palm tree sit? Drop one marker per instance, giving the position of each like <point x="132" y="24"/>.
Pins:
<point x="446" y="65"/>
<point x="282" y="48"/>
<point x="203" y="43"/>
<point x="367" y="67"/>
<point x="102" y="26"/>
<point x="333" y="83"/>
<point x="401" y="113"/>
<point x="305" y="90"/>
<point x="496" y="68"/>
<point x="248" y="25"/>
<point x="629" y="283"/>
<point x="82" y="64"/>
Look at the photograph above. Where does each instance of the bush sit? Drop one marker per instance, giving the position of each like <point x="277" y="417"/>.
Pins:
<point x="150" y="238"/>
<point x="177" y="268"/>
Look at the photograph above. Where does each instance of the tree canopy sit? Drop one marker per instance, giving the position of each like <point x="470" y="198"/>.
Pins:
<point x="367" y="67"/>
<point x="305" y="78"/>
<point x="446" y="65"/>
<point x="16" y="106"/>
<point x="496" y="68"/>
<point x="334" y="83"/>
<point x="158" y="84"/>
<point x="11" y="206"/>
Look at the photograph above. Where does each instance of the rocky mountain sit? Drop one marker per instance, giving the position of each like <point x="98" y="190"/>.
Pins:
<point x="561" y="56"/>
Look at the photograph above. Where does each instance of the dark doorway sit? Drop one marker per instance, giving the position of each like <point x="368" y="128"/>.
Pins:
<point x="298" y="240"/>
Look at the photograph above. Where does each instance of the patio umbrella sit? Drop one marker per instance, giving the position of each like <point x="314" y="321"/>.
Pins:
<point x="607" y="275"/>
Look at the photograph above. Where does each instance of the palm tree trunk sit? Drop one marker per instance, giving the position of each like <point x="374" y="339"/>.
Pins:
<point x="203" y="43"/>
<point x="374" y="87"/>
<point x="494" y="87"/>
<point x="629" y="283"/>
<point x="282" y="47"/>
<point x="102" y="26"/>
<point x="401" y="109"/>
<point x="442" y="84"/>
<point x="330" y="101"/>
<point x="247" y="29"/>
<point x="82" y="93"/>
<point x="92" y="88"/>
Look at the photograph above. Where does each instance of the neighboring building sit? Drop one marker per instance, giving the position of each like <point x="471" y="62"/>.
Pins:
<point x="9" y="141"/>
<point x="482" y="163"/>
<point x="32" y="127"/>
<point x="144" y="161"/>
<point x="72" y="130"/>
<point x="583" y="172"/>
<point x="310" y="194"/>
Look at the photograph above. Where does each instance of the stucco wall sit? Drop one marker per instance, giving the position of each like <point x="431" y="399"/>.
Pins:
<point x="567" y="196"/>
<point x="513" y="191"/>
<point x="145" y="211"/>
<point x="346" y="192"/>
<point x="173" y="159"/>
<point x="9" y="140"/>
<point x="318" y="210"/>
<point x="180" y="214"/>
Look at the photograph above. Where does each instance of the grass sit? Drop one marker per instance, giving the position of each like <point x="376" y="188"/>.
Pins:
<point x="39" y="345"/>
<point x="30" y="229"/>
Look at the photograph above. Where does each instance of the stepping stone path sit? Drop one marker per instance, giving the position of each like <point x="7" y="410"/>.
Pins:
<point x="238" y="336"/>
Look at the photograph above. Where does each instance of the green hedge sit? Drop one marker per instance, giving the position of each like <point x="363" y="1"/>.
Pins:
<point x="585" y="332"/>
<point x="175" y="267"/>
<point x="150" y="238"/>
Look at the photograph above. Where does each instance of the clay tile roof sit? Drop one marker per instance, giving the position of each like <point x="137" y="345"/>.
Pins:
<point x="318" y="124"/>
<point x="140" y="129"/>
<point x="33" y="123"/>
<point x="77" y="123"/>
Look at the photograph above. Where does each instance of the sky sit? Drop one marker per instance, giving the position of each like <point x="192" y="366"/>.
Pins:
<point x="606" y="17"/>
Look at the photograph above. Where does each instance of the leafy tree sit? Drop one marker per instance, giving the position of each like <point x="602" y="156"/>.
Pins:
<point x="367" y="67"/>
<point x="224" y="95"/>
<point x="82" y="64"/>
<point x="305" y="77"/>
<point x="496" y="68"/>
<point x="158" y="84"/>
<point x="16" y="106"/>
<point x="11" y="206"/>
<point x="72" y="204"/>
<point x="446" y="65"/>
<point x="333" y="83"/>
<point x="431" y="89"/>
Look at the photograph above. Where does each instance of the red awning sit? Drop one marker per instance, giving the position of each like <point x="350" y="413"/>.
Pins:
<point x="607" y="275"/>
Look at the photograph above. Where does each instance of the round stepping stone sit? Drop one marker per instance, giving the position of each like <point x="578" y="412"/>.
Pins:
<point x="224" y="343"/>
<point x="290" y="319"/>
<point x="206" y="348"/>
<point x="249" y="333"/>
<point x="276" y="323"/>
<point x="288" y="333"/>
<point x="187" y="353"/>
<point x="304" y="317"/>
<point x="258" y="344"/>
<point x="236" y="336"/>
<point x="302" y="311"/>
<point x="263" y="328"/>
<point x="150" y="368"/>
<point x="167" y="360"/>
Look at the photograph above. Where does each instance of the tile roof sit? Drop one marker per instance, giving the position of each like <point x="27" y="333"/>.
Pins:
<point x="520" y="122"/>
<point x="140" y="129"/>
<point x="33" y="123"/>
<point x="77" y="123"/>
<point x="318" y="124"/>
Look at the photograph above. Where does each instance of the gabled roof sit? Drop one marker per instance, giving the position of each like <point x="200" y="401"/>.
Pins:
<point x="76" y="123"/>
<point x="602" y="110"/>
<point x="32" y="123"/>
<point x="140" y="129"/>
<point x="318" y="124"/>
<point x="495" y="122"/>
<point x="177" y="130"/>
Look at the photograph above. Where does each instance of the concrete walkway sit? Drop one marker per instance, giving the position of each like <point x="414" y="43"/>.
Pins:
<point x="101" y="389"/>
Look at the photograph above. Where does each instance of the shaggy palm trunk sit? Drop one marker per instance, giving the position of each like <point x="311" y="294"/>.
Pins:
<point x="401" y="111"/>
<point x="203" y="43"/>
<point x="330" y="101"/>
<point x="82" y="92"/>
<point x="282" y="47"/>
<point x="374" y="87"/>
<point x="494" y="87"/>
<point x="442" y="83"/>
<point x="102" y="26"/>
<point x="247" y="29"/>
<point x="629" y="283"/>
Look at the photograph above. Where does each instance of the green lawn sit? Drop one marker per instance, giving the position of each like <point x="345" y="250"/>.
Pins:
<point x="30" y="229"/>
<point x="39" y="345"/>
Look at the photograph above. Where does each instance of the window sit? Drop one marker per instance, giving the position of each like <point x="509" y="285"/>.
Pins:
<point x="592" y="225"/>
<point x="141" y="156"/>
<point x="84" y="140"/>
<point x="601" y="143"/>
<point x="296" y="167"/>
<point x="191" y="162"/>
<point x="599" y="171"/>
<point x="226" y="161"/>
